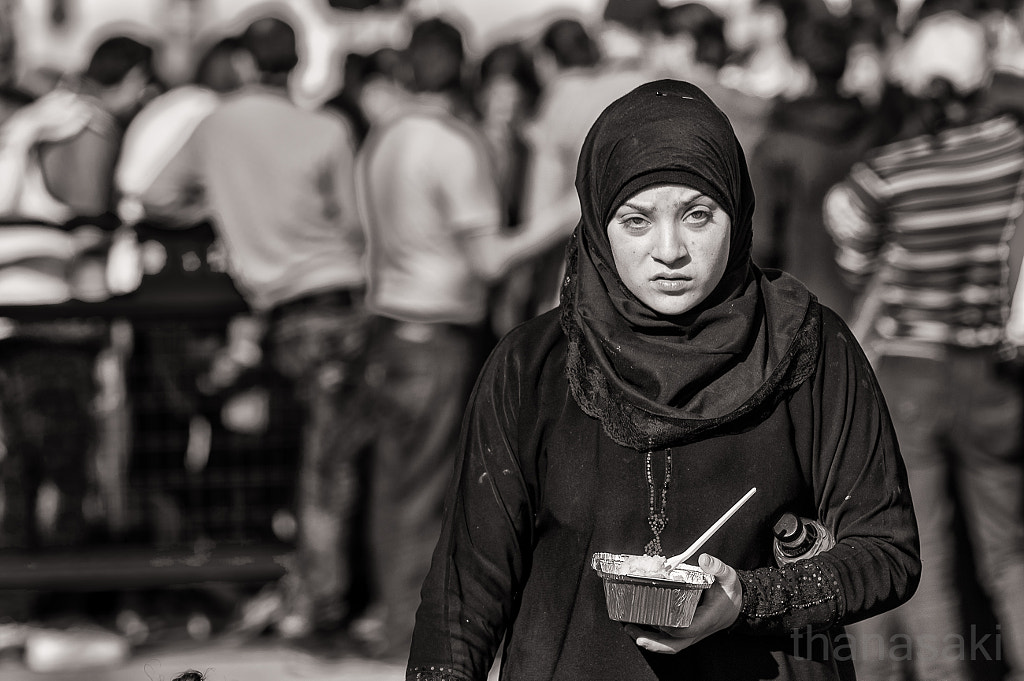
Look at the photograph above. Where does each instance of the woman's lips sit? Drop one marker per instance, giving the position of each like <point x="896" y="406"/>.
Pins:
<point x="670" y="283"/>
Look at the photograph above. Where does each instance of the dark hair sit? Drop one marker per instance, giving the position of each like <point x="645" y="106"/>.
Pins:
<point x="969" y="8"/>
<point x="637" y="15"/>
<point x="387" y="62"/>
<point x="115" y="57"/>
<point x="937" y="108"/>
<point x="706" y="26"/>
<point x="436" y="56"/>
<point x="874" y="21"/>
<point x="570" y="44"/>
<point x="215" y="69"/>
<point x="823" y="43"/>
<point x="359" y="69"/>
<point x="272" y="43"/>
<point x="514" y="60"/>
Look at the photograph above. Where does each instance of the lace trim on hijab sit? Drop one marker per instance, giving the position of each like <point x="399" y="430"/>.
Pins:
<point x="632" y="426"/>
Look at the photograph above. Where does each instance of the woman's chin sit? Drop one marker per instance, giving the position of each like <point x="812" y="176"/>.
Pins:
<point x="671" y="304"/>
<point x="668" y="306"/>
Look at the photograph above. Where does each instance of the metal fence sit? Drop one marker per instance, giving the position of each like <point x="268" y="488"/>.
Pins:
<point x="170" y="458"/>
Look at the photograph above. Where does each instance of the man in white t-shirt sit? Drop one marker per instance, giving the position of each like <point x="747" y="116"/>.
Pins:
<point x="276" y="181"/>
<point x="432" y="214"/>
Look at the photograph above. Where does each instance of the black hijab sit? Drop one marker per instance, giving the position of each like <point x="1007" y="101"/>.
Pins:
<point x="656" y="381"/>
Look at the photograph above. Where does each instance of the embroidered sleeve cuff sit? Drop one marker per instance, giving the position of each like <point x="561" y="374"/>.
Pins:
<point x="435" y="673"/>
<point x="796" y="596"/>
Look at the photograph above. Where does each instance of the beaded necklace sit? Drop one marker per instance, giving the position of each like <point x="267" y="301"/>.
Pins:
<point x="657" y="518"/>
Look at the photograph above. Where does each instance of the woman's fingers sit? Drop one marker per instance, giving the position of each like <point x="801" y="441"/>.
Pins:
<point x="670" y="647"/>
<point x="725" y="577"/>
<point x="712" y="566"/>
<point x="667" y="640"/>
<point x="719" y="607"/>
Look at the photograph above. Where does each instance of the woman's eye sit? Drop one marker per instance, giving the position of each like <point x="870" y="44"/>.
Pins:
<point x="634" y="222"/>
<point x="701" y="214"/>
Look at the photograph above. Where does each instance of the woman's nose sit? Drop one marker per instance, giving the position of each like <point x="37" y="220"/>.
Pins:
<point x="671" y="245"/>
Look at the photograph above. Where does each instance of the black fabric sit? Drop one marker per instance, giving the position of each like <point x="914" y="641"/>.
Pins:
<point x="654" y="380"/>
<point x="539" y="488"/>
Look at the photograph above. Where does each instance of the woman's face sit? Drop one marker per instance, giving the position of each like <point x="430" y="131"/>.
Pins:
<point x="670" y="244"/>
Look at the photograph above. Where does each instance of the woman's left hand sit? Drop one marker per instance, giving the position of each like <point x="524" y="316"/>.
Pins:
<point x="718" y="609"/>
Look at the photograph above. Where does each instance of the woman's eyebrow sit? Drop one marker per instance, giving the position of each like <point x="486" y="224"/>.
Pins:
<point x="639" y="207"/>
<point x="684" y="203"/>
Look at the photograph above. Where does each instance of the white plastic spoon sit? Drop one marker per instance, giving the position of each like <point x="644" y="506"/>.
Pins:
<point x="676" y="560"/>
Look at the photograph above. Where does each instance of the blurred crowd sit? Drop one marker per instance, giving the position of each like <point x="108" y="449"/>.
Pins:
<point x="382" y="242"/>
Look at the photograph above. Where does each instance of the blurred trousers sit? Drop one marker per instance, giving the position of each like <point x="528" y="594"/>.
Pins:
<point x="48" y="434"/>
<point x="319" y="343"/>
<point x="959" y="424"/>
<point x="422" y="375"/>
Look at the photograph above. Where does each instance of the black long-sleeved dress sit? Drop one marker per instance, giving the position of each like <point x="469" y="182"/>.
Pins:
<point x="539" y="488"/>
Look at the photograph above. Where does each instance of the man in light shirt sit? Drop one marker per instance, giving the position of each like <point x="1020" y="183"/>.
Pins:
<point x="435" y="246"/>
<point x="276" y="181"/>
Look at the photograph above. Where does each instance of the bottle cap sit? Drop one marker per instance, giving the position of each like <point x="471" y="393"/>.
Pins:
<point x="787" y="528"/>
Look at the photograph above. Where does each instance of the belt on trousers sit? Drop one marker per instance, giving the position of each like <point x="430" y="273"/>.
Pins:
<point x="421" y="332"/>
<point x="341" y="297"/>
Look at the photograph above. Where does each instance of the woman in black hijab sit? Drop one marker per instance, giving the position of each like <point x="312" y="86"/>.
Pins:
<point x="674" y="376"/>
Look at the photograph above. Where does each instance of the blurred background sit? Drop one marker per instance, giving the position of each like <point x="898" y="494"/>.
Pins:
<point x="149" y="447"/>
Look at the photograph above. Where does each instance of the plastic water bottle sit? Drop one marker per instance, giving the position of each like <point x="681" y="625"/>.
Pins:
<point x="797" y="538"/>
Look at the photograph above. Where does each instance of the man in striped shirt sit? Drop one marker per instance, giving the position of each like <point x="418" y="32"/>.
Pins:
<point x="923" y="225"/>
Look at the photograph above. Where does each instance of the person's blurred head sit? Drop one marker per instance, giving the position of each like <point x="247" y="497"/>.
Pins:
<point x="120" y="70"/>
<point x="436" y="56"/>
<point x="702" y="26"/>
<point x="944" y="54"/>
<point x="507" y="85"/>
<point x="763" y="23"/>
<point x="225" y="66"/>
<point x="272" y="43"/>
<point x="382" y="90"/>
<point x="571" y="45"/>
<point x="942" y="67"/>
<point x="641" y="16"/>
<point x="823" y="43"/>
<point x="116" y="57"/>
<point x="875" y="22"/>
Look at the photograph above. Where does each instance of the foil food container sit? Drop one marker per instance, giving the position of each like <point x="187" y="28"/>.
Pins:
<point x="657" y="601"/>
